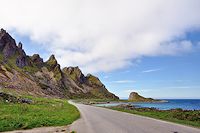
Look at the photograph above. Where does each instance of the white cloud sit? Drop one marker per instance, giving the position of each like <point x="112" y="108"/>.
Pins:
<point x="151" y="70"/>
<point x="123" y="81"/>
<point x="103" y="35"/>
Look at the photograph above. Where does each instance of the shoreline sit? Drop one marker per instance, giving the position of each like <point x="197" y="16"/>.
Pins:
<point x="180" y="116"/>
<point x="162" y="104"/>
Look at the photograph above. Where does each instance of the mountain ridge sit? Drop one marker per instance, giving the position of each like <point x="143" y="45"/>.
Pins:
<point x="30" y="74"/>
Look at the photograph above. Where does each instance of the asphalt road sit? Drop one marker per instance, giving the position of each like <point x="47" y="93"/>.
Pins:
<point x="101" y="120"/>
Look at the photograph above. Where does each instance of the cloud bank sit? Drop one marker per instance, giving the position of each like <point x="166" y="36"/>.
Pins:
<point x="104" y="35"/>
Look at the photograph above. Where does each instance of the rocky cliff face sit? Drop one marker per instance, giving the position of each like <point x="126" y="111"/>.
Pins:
<point x="135" y="97"/>
<point x="37" y="60"/>
<point x="29" y="74"/>
<point x="9" y="49"/>
<point x="88" y="85"/>
<point x="7" y="44"/>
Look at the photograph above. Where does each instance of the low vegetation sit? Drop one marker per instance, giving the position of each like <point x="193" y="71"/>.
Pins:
<point x="96" y="101"/>
<point x="40" y="112"/>
<point x="186" y="117"/>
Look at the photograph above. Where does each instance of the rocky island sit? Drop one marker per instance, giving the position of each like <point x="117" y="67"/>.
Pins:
<point x="135" y="97"/>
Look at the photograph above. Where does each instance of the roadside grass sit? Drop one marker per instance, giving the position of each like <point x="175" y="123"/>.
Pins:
<point x="42" y="112"/>
<point x="190" y="118"/>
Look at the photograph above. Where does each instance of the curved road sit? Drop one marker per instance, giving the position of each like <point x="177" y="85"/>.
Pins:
<point x="101" y="120"/>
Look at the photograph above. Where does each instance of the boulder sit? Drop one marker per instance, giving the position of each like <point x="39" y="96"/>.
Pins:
<point x="8" y="98"/>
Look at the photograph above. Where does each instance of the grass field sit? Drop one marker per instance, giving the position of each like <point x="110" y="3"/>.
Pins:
<point x="191" y="118"/>
<point x="42" y="112"/>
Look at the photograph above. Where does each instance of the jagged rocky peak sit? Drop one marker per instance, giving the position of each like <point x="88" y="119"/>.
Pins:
<point x="52" y="57"/>
<point x="93" y="80"/>
<point x="54" y="66"/>
<point x="6" y="38"/>
<point x="52" y="62"/>
<point x="36" y="59"/>
<point x="9" y="48"/>
<point x="2" y="32"/>
<point x="75" y="73"/>
<point x="22" y="59"/>
<point x="57" y="69"/>
<point x="20" y="45"/>
<point x="71" y="70"/>
<point x="7" y="44"/>
<point x="50" y="81"/>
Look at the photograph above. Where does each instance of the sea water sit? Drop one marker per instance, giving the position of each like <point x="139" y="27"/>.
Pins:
<point x="186" y="104"/>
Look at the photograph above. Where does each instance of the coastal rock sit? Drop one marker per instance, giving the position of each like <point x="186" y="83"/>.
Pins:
<point x="135" y="97"/>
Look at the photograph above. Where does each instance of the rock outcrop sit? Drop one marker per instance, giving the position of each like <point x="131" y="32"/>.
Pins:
<point x="75" y="74"/>
<point x="37" y="60"/>
<point x="88" y="85"/>
<point x="52" y="62"/>
<point x="30" y="74"/>
<point x="135" y="97"/>
<point x="13" y="99"/>
<point x="7" y="44"/>
<point x="9" y="49"/>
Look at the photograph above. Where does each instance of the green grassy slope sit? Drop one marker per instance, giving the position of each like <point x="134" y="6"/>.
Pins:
<point x="42" y="112"/>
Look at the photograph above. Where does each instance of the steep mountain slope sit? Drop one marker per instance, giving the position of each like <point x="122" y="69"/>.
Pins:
<point x="31" y="75"/>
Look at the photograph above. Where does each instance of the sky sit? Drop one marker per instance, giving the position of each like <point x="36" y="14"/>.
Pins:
<point x="151" y="47"/>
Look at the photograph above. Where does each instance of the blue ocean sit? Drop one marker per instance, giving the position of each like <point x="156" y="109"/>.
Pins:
<point x="186" y="104"/>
